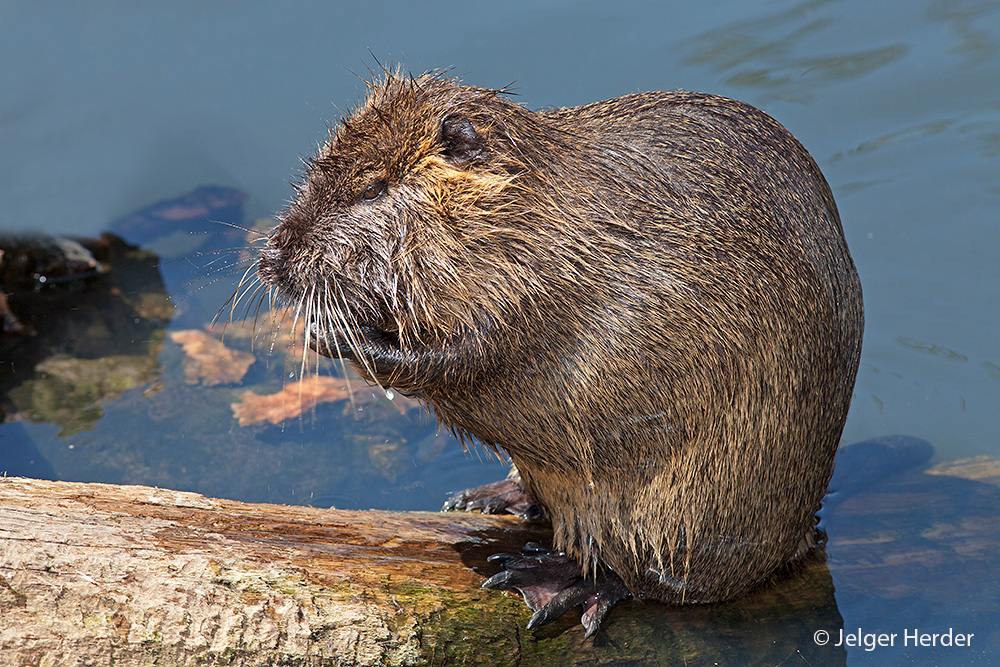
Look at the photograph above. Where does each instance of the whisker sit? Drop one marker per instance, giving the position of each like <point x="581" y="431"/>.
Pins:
<point x="277" y="319"/>
<point x="234" y="298"/>
<point x="202" y="253"/>
<point x="256" y="297"/>
<point x="331" y="306"/>
<point x="310" y="309"/>
<point x="351" y="336"/>
<point x="248" y="230"/>
<point x="261" y="293"/>
<point x="250" y="277"/>
<point x="187" y="290"/>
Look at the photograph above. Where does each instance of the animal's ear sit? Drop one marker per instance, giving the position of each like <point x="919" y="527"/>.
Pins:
<point x="460" y="143"/>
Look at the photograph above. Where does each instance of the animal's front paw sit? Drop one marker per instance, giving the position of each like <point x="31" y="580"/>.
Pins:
<point x="496" y="498"/>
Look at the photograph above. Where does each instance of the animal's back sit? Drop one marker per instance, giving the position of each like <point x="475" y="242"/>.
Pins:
<point x="707" y="393"/>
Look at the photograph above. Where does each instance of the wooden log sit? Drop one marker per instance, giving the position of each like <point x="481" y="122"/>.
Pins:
<point x="97" y="574"/>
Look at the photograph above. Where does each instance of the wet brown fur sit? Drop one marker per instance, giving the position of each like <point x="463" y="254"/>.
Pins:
<point x="648" y="302"/>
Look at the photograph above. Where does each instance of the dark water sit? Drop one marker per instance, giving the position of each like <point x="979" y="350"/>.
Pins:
<point x="109" y="108"/>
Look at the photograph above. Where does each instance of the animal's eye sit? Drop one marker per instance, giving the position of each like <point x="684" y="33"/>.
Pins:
<point x="373" y="191"/>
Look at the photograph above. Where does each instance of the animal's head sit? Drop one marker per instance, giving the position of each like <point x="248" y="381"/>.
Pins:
<point x="407" y="219"/>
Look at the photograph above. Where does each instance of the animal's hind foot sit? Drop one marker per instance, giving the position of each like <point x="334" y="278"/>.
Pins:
<point x="552" y="583"/>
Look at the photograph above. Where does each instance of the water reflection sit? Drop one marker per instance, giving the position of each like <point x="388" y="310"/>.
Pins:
<point x="143" y="391"/>
<point x="902" y="554"/>
<point x="966" y="18"/>
<point x="984" y="126"/>
<point x="83" y="342"/>
<point x="774" y="53"/>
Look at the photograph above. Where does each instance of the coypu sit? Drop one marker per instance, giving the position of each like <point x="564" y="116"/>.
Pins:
<point x="647" y="302"/>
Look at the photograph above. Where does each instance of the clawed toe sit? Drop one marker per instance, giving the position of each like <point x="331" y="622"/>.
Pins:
<point x="505" y="496"/>
<point x="551" y="584"/>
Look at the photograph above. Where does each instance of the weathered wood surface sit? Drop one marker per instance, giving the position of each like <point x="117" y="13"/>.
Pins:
<point x="96" y="574"/>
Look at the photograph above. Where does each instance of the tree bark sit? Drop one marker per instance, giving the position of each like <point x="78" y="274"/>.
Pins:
<point x="97" y="574"/>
